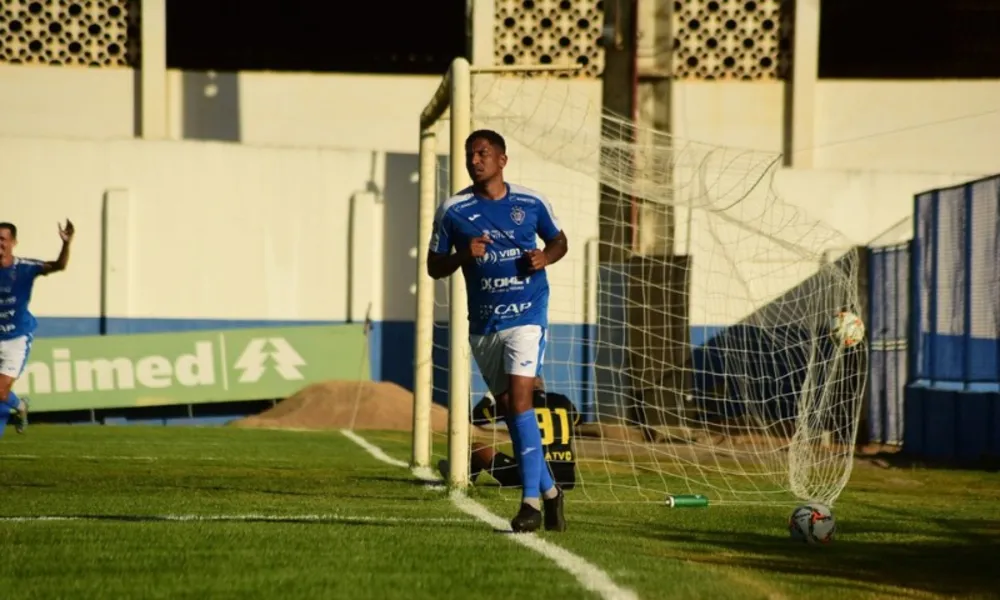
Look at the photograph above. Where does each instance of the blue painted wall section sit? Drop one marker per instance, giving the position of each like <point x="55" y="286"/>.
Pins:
<point x="747" y="365"/>
<point x="888" y="331"/>
<point x="952" y="425"/>
<point x="951" y="401"/>
<point x="956" y="354"/>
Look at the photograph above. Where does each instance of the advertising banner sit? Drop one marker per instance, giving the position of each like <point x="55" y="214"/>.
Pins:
<point x="119" y="371"/>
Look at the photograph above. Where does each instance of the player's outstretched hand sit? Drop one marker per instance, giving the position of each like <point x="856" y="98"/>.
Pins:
<point x="477" y="246"/>
<point x="66" y="233"/>
<point x="537" y="260"/>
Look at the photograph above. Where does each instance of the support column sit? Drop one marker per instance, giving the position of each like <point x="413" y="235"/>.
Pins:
<point x="153" y="81"/>
<point x="618" y="96"/>
<point x="615" y="236"/>
<point x="654" y="52"/>
<point x="480" y="17"/>
<point x="800" y="91"/>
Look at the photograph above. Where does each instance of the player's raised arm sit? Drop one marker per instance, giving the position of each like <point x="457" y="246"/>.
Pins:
<point x="60" y="263"/>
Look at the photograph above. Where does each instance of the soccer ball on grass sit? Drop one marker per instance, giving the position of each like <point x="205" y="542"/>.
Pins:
<point x="812" y="523"/>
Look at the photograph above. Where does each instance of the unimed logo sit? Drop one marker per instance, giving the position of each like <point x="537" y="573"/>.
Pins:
<point x="65" y="374"/>
<point x="61" y="372"/>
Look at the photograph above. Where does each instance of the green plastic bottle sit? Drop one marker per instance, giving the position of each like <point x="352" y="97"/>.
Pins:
<point x="686" y="501"/>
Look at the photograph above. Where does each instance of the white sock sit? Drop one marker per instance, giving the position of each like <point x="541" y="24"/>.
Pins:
<point x="532" y="502"/>
<point x="551" y="493"/>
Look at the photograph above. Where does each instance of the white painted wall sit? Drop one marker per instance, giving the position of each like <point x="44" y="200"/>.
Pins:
<point x="876" y="145"/>
<point x="212" y="230"/>
<point x="909" y="126"/>
<point x="724" y="113"/>
<point x="259" y="229"/>
<point x="215" y="230"/>
<point x="885" y="126"/>
<point x="67" y="102"/>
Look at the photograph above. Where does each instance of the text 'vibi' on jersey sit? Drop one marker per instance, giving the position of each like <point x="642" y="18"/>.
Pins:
<point x="501" y="291"/>
<point x="16" y="283"/>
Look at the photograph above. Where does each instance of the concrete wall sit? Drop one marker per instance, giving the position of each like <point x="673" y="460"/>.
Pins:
<point x="197" y="233"/>
<point x="311" y="216"/>
<point x="902" y="127"/>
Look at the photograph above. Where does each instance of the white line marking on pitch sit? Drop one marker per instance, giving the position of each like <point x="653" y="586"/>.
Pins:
<point x="249" y="518"/>
<point x="379" y="454"/>
<point x="587" y="574"/>
<point x="107" y="457"/>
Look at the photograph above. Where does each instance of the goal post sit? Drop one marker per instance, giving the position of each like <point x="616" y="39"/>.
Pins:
<point x="701" y="362"/>
<point x="454" y="94"/>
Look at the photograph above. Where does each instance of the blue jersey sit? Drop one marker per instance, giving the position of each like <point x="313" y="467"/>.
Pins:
<point x="16" y="283"/>
<point x="501" y="291"/>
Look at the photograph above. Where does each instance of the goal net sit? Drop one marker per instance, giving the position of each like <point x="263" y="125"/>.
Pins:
<point x="690" y="322"/>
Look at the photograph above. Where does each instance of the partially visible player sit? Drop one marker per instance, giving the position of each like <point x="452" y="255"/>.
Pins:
<point x="494" y="226"/>
<point x="17" y="324"/>
<point x="557" y="419"/>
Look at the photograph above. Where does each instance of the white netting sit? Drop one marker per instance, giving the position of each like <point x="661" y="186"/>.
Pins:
<point x="698" y="351"/>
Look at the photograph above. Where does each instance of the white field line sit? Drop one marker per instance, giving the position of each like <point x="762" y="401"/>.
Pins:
<point x="248" y="518"/>
<point x="588" y="575"/>
<point x="426" y="476"/>
<point x="106" y="457"/>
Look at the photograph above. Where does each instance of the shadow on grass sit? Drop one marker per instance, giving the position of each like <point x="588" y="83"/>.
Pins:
<point x="956" y="560"/>
<point x="333" y="519"/>
<point x="405" y="480"/>
<point x="902" y="460"/>
<point x="238" y="489"/>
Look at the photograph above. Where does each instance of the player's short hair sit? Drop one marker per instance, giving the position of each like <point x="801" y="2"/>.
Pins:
<point x="495" y="139"/>
<point x="11" y="228"/>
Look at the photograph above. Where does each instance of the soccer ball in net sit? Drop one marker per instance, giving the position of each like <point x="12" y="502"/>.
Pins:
<point x="848" y="329"/>
<point x="812" y="523"/>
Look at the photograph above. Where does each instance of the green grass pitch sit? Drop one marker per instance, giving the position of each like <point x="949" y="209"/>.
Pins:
<point x="313" y="515"/>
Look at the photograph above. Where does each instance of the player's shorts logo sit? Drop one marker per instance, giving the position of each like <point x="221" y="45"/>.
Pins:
<point x="517" y="215"/>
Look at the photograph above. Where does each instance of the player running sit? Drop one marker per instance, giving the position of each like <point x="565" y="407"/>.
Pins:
<point x="493" y="226"/>
<point x="17" y="324"/>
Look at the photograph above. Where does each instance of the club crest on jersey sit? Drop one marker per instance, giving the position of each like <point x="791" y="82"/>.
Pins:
<point x="517" y="215"/>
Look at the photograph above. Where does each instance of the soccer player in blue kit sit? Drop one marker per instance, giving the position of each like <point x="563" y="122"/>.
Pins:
<point x="493" y="227"/>
<point x="17" y="324"/>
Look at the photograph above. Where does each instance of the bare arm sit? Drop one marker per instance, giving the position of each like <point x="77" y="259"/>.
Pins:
<point x="556" y="248"/>
<point x="440" y="265"/>
<point x="60" y="263"/>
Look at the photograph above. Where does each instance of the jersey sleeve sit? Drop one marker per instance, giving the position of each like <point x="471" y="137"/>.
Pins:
<point x="441" y="241"/>
<point x="548" y="224"/>
<point x="31" y="267"/>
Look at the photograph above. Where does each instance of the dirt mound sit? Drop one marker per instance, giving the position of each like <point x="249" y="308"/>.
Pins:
<point x="343" y="404"/>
